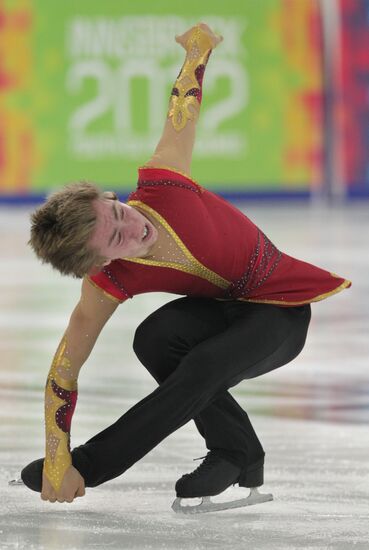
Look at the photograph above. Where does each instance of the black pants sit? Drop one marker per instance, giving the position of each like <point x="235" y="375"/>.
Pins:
<point x="196" y="349"/>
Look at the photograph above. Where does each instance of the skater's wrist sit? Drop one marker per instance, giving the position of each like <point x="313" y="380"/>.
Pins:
<point x="55" y="469"/>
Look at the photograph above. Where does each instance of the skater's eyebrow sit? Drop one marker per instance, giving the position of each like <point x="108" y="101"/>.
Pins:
<point x="115" y="214"/>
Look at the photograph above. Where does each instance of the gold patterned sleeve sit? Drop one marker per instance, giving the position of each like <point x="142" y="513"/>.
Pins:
<point x="176" y="144"/>
<point x="87" y="320"/>
<point x="186" y="96"/>
<point x="60" y="400"/>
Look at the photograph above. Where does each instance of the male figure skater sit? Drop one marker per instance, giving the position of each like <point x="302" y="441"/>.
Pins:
<point x="245" y="311"/>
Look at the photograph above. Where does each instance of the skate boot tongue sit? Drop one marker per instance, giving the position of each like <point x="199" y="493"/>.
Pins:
<point x="211" y="477"/>
<point x="211" y="459"/>
<point x="213" y="453"/>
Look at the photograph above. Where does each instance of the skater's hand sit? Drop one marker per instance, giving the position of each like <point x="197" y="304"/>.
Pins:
<point x="73" y="485"/>
<point x="215" y="38"/>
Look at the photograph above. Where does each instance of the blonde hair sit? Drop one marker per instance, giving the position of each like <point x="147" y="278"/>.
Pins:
<point x="62" y="227"/>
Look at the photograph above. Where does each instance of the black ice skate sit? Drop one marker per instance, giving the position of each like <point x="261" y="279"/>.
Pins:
<point x="31" y="476"/>
<point x="213" y="476"/>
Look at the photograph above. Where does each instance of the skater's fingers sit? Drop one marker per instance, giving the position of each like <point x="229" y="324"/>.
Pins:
<point x="48" y="496"/>
<point x="48" y="493"/>
<point x="81" y="491"/>
<point x="50" y="499"/>
<point x="68" y="497"/>
<point x="65" y="496"/>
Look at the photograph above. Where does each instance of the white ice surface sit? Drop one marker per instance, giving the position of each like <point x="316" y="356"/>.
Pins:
<point x="311" y="415"/>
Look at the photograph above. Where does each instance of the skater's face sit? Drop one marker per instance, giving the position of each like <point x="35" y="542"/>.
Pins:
<point x="119" y="230"/>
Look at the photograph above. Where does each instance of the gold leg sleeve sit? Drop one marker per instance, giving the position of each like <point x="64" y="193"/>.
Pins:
<point x="60" y="400"/>
<point x="186" y="95"/>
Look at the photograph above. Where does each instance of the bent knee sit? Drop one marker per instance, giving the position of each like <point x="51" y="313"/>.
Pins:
<point x="157" y="333"/>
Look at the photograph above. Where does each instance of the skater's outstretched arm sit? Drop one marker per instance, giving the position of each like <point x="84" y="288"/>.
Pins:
<point x="175" y="147"/>
<point x="61" y="481"/>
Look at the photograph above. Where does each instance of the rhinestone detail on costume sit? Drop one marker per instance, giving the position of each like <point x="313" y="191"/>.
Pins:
<point x="115" y="281"/>
<point x="173" y="183"/>
<point x="254" y="278"/>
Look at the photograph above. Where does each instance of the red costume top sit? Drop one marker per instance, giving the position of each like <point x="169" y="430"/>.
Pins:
<point x="225" y="255"/>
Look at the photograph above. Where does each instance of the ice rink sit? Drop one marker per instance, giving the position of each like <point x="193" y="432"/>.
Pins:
<point x="312" y="415"/>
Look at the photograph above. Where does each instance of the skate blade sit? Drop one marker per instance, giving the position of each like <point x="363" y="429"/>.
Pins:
<point x="206" y="504"/>
<point x="15" y="482"/>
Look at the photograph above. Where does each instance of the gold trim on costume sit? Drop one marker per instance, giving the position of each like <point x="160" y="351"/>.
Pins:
<point x="110" y="296"/>
<point x="198" y="268"/>
<point x="344" y="285"/>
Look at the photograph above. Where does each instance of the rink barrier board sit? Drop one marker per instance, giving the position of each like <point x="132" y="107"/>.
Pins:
<point x="350" y="195"/>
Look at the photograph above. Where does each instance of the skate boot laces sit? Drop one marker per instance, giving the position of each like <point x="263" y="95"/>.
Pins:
<point x="211" y="458"/>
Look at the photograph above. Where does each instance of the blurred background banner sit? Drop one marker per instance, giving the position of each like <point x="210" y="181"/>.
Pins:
<point x="352" y="96"/>
<point x="85" y="85"/>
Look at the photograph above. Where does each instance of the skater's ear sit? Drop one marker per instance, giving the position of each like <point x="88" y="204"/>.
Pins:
<point x="110" y="195"/>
